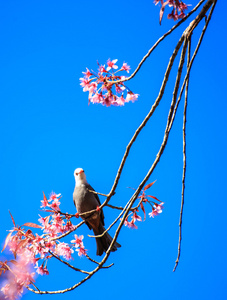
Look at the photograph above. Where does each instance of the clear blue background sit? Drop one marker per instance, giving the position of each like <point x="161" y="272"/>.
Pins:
<point x="48" y="129"/>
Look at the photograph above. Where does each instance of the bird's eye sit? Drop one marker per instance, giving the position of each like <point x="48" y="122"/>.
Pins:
<point x="76" y="173"/>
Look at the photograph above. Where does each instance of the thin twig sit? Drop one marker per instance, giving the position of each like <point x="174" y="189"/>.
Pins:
<point x="189" y="64"/>
<point x="97" y="263"/>
<point x="184" y="156"/>
<point x="94" y="192"/>
<point x="68" y="264"/>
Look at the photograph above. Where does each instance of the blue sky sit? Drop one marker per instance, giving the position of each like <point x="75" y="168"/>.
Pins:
<point x="48" y="130"/>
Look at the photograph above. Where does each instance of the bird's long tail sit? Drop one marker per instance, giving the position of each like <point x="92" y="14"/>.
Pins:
<point x="104" y="242"/>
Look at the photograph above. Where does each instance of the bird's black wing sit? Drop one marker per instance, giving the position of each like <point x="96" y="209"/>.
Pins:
<point x="89" y="187"/>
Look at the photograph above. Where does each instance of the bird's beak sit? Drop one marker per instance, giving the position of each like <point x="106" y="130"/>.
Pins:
<point x="81" y="171"/>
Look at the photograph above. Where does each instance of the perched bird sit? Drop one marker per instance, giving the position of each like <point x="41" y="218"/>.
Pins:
<point x="86" y="201"/>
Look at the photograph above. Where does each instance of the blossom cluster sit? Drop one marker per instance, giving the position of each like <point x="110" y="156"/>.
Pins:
<point x="100" y="85"/>
<point x="155" y="204"/>
<point x="20" y="275"/>
<point x="178" y="9"/>
<point x="32" y="250"/>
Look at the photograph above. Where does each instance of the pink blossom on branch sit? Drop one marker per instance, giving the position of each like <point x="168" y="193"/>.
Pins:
<point x="100" y="85"/>
<point x="156" y="209"/>
<point x="155" y="203"/>
<point x="178" y="8"/>
<point x="81" y="251"/>
<point x="64" y="250"/>
<point x="125" y="67"/>
<point x="42" y="270"/>
<point x="111" y="64"/>
<point x="19" y="275"/>
<point x="78" y="242"/>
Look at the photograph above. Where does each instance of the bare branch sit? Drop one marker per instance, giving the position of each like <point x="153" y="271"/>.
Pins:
<point x="94" y="261"/>
<point x="68" y="264"/>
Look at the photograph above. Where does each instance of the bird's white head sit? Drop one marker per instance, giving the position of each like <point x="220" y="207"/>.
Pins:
<point x="80" y="176"/>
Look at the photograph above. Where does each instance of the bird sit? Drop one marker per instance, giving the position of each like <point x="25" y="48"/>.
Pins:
<point x="85" y="200"/>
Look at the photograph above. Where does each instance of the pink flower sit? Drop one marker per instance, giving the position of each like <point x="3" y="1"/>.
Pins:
<point x="17" y="277"/>
<point x="69" y="226"/>
<point x="54" y="196"/>
<point x="159" y="207"/>
<point x="133" y="225"/>
<point x="12" y="290"/>
<point x="42" y="270"/>
<point x="49" y="245"/>
<point x="97" y="98"/>
<point x="111" y="64"/>
<point x="87" y="74"/>
<point x="108" y="99"/>
<point x="130" y="224"/>
<point x="64" y="250"/>
<point x="136" y="217"/>
<point x="125" y="67"/>
<point x="102" y="69"/>
<point x="78" y="240"/>
<point x="127" y="223"/>
<point x="13" y="244"/>
<point x="41" y="220"/>
<point x="173" y="15"/>
<point x="119" y="89"/>
<point x="157" y="210"/>
<point x="131" y="97"/>
<point x="38" y="248"/>
<point x="5" y="290"/>
<point x="92" y="88"/>
<point x="120" y="101"/>
<point x="153" y="213"/>
<point x="55" y="228"/>
<point x="81" y="251"/>
<point x="85" y="83"/>
<point x="104" y="81"/>
<point x="55" y="205"/>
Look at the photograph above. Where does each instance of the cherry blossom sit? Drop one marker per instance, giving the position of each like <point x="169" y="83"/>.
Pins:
<point x="111" y="64"/>
<point x="81" y="251"/>
<point x="87" y="74"/>
<point x="78" y="240"/>
<point x="136" y="217"/>
<point x="85" y="83"/>
<point x="157" y="209"/>
<point x="130" y="224"/>
<point x="126" y="67"/>
<point x="100" y="85"/>
<point x="19" y="275"/>
<point x="153" y="213"/>
<point x="155" y="203"/>
<point x="42" y="270"/>
<point x="178" y="8"/>
<point x="54" y="196"/>
<point x="120" y="100"/>
<point x="131" y="97"/>
<point x="127" y="223"/>
<point x="78" y="243"/>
